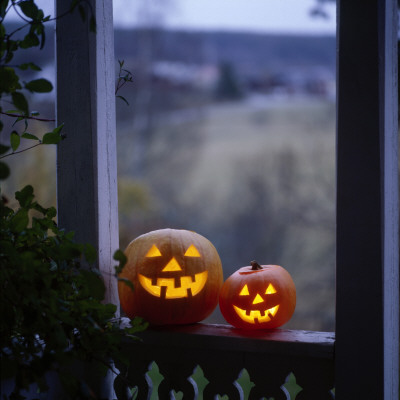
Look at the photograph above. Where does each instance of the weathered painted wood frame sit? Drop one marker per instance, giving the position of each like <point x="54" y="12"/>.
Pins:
<point x="86" y="161"/>
<point x="367" y="328"/>
<point x="367" y="299"/>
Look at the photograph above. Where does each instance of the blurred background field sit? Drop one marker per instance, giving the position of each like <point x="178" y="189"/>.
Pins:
<point x="227" y="133"/>
<point x="232" y="135"/>
<point x="256" y="177"/>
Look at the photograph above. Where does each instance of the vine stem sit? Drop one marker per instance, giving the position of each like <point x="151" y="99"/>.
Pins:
<point x="20" y="151"/>
<point x="26" y="117"/>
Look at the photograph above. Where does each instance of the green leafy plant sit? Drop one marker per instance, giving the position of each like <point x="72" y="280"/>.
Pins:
<point x="51" y="293"/>
<point x="51" y="308"/>
<point x="14" y="91"/>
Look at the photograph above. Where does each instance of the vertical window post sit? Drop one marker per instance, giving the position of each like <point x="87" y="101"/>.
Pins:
<point x="86" y="159"/>
<point x="367" y="319"/>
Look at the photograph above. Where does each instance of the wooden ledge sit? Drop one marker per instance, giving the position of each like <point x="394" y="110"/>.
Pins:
<point x="224" y="337"/>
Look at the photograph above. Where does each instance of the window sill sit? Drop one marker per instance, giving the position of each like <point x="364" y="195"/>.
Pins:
<point x="225" y="337"/>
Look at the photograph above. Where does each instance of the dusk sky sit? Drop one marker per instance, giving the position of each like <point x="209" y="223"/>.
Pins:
<point x="255" y="15"/>
<point x="276" y="16"/>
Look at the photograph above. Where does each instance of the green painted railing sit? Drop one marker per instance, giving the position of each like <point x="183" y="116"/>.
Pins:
<point x="243" y="384"/>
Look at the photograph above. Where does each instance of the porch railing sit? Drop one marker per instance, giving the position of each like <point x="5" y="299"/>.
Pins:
<point x="206" y="361"/>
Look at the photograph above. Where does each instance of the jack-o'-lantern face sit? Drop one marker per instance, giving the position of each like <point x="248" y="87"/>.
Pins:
<point x="176" y="274"/>
<point x="260" y="310"/>
<point x="178" y="286"/>
<point x="258" y="297"/>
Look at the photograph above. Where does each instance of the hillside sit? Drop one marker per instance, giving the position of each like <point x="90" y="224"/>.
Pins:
<point x="250" y="53"/>
<point x="248" y="50"/>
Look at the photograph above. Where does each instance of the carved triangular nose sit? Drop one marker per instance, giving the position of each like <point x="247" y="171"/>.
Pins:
<point x="172" y="266"/>
<point x="258" y="299"/>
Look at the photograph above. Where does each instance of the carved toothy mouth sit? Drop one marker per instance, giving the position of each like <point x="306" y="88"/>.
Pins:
<point x="256" y="316"/>
<point x="166" y="288"/>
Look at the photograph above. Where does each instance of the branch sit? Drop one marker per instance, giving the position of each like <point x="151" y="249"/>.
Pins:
<point x="20" y="151"/>
<point x="27" y="117"/>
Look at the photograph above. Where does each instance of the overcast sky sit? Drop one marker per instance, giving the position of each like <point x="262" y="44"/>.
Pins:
<point x="255" y="15"/>
<point x="290" y="16"/>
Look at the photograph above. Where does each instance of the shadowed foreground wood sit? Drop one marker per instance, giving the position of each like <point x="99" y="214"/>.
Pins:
<point x="223" y="352"/>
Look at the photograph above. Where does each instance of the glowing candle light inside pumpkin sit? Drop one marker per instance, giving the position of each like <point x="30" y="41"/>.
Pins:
<point x="258" y="297"/>
<point x="176" y="274"/>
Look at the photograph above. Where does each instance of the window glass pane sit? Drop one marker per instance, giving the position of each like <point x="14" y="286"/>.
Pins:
<point x="230" y="132"/>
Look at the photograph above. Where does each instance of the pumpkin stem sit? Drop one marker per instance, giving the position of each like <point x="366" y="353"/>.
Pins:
<point x="255" y="266"/>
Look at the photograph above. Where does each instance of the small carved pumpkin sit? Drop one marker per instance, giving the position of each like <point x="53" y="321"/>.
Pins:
<point x="176" y="274"/>
<point x="258" y="297"/>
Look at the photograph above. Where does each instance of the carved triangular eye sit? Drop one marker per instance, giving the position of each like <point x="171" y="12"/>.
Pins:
<point x="192" y="252"/>
<point x="270" y="289"/>
<point x="244" y="291"/>
<point x="153" y="252"/>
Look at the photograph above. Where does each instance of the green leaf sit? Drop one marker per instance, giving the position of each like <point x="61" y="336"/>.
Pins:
<point x="138" y="324"/>
<point x="4" y="149"/>
<point x="30" y="65"/>
<point x="29" y="8"/>
<point x="94" y="284"/>
<point x="25" y="196"/>
<point x="127" y="283"/>
<point x="15" y="140"/>
<point x="19" y="221"/>
<point x="9" y="80"/>
<point x="39" y="86"/>
<point x="20" y="102"/>
<point x="123" y="99"/>
<point x="51" y="138"/>
<point x="58" y="128"/>
<point x="120" y="256"/>
<point x="3" y="8"/>
<point x="244" y="384"/>
<point x="4" y="170"/>
<point x="290" y="387"/>
<point x="30" y="40"/>
<point x="51" y="212"/>
<point x="90" y="253"/>
<point x="27" y="135"/>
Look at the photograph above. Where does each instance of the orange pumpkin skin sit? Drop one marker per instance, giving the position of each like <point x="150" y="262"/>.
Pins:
<point x="263" y="298"/>
<point x="176" y="274"/>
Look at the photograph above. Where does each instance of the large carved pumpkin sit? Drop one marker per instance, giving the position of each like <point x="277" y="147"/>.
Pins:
<point x="258" y="297"/>
<point x="176" y="274"/>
